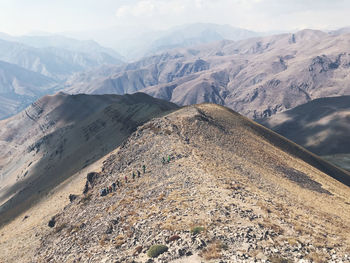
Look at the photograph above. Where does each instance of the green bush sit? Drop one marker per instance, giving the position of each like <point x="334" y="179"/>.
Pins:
<point x="196" y="230"/>
<point x="155" y="250"/>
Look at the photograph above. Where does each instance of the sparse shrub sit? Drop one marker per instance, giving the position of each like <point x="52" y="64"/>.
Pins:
<point x="52" y="222"/>
<point x="72" y="197"/>
<point x="60" y="227"/>
<point x="73" y="229"/>
<point x="279" y="259"/>
<point x="156" y="250"/>
<point x="138" y="250"/>
<point x="85" y="199"/>
<point x="197" y="229"/>
<point x="119" y="240"/>
<point x="103" y="240"/>
<point x="174" y="238"/>
<point x="292" y="241"/>
<point x="161" y="197"/>
<point x="223" y="246"/>
<point x="317" y="258"/>
<point x="212" y="251"/>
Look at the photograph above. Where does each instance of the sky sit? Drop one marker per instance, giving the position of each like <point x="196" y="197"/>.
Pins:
<point x="22" y="16"/>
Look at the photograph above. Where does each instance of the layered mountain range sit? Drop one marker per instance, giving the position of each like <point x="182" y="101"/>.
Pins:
<point x="257" y="77"/>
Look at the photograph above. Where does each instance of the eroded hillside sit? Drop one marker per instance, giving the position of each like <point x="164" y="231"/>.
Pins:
<point x="227" y="190"/>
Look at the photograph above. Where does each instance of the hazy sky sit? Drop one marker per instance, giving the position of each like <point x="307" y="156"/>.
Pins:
<point x="23" y="16"/>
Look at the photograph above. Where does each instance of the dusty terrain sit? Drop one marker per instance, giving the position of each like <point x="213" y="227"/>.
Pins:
<point x="321" y="126"/>
<point x="59" y="135"/>
<point x="232" y="191"/>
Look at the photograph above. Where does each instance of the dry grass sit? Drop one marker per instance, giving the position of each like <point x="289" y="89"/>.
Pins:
<point x="317" y="257"/>
<point x="213" y="251"/>
<point x="137" y="250"/>
<point x="60" y="227"/>
<point x="104" y="240"/>
<point x="85" y="200"/>
<point x="174" y="238"/>
<point x="161" y="197"/>
<point x="276" y="228"/>
<point x="292" y="241"/>
<point x="73" y="229"/>
<point x="119" y="241"/>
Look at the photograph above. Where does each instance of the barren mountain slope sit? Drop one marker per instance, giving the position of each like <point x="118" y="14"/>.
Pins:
<point x="58" y="136"/>
<point x="322" y="126"/>
<point x="257" y="77"/>
<point x="245" y="192"/>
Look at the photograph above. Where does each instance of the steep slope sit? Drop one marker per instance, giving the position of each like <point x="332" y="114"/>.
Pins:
<point x="59" y="135"/>
<point x="322" y="126"/>
<point x="19" y="87"/>
<point x="247" y="194"/>
<point x="256" y="77"/>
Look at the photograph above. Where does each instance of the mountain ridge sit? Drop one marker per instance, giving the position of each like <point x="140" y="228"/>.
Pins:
<point x="257" y="77"/>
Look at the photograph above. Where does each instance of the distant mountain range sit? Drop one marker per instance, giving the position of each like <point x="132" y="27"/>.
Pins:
<point x="62" y="42"/>
<point x="257" y="77"/>
<point x="134" y="44"/>
<point x="53" y="62"/>
<point x="31" y="67"/>
<point x="19" y="86"/>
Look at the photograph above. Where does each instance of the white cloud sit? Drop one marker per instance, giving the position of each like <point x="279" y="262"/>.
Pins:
<point x="150" y="8"/>
<point x="18" y="16"/>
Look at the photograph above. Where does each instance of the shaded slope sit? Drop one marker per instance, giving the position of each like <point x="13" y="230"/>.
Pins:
<point x="254" y="192"/>
<point x="59" y="135"/>
<point x="322" y="126"/>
